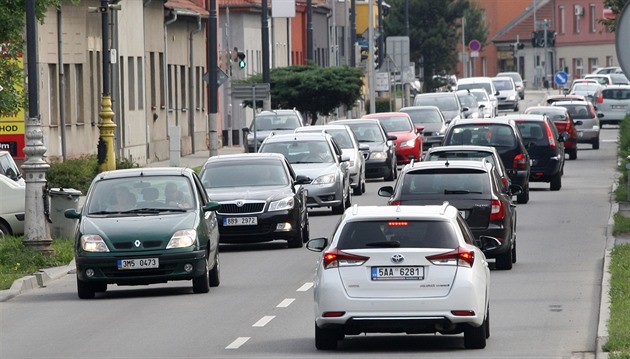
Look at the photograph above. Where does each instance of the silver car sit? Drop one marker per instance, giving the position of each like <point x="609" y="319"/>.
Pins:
<point x="345" y="139"/>
<point x="318" y="157"/>
<point x="508" y="97"/>
<point x="613" y="103"/>
<point x="588" y="131"/>
<point x="518" y="82"/>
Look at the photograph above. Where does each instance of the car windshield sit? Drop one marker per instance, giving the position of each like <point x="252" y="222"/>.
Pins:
<point x="468" y="101"/>
<point x="444" y="103"/>
<point x="422" y="116"/>
<point x="480" y="85"/>
<point x="275" y="122"/>
<point x="515" y="77"/>
<point x="397" y="234"/>
<point x="135" y="196"/>
<point x="224" y="174"/>
<point x="590" y="88"/>
<point x="486" y="134"/>
<point x="299" y="152"/>
<point x="396" y="124"/>
<point x="367" y="132"/>
<point x="503" y="85"/>
<point x="481" y="96"/>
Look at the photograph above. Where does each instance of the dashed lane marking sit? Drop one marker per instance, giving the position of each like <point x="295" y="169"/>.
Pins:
<point x="237" y="343"/>
<point x="263" y="321"/>
<point x="305" y="287"/>
<point x="285" y="303"/>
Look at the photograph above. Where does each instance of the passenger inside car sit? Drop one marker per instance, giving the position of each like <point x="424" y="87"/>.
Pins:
<point x="124" y="200"/>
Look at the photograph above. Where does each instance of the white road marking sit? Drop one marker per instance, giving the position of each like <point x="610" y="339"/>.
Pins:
<point x="285" y="303"/>
<point x="237" y="343"/>
<point x="263" y="321"/>
<point x="609" y="140"/>
<point x="305" y="287"/>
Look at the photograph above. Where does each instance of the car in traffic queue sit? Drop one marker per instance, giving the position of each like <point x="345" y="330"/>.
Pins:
<point x="142" y="226"/>
<point x="408" y="140"/>
<point x="518" y="82"/>
<point x="261" y="197"/>
<point x="483" y="100"/>
<point x="380" y="159"/>
<point x="587" y="89"/>
<point x="318" y="157"/>
<point x="508" y="96"/>
<point x="503" y="134"/>
<point x="266" y="122"/>
<point x="552" y="98"/>
<point x="470" y="102"/>
<point x="401" y="269"/>
<point x="613" y="104"/>
<point x="345" y="139"/>
<point x="431" y="118"/>
<point x="563" y="122"/>
<point x="545" y="147"/>
<point x="447" y="102"/>
<point x="583" y="111"/>
<point x="13" y="190"/>
<point x="485" y="83"/>
<point x="474" y="188"/>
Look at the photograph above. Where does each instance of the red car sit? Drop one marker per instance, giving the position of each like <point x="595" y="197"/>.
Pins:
<point x="564" y="123"/>
<point x="408" y="136"/>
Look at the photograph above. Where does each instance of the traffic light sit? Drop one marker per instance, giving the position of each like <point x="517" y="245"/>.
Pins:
<point x="241" y="60"/>
<point x="365" y="51"/>
<point x="520" y="46"/>
<point x="538" y="38"/>
<point x="376" y="57"/>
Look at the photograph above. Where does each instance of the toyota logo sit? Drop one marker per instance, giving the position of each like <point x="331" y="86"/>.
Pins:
<point x="398" y="258"/>
<point x="239" y="203"/>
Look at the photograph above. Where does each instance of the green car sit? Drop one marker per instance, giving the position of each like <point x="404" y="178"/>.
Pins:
<point x="146" y="225"/>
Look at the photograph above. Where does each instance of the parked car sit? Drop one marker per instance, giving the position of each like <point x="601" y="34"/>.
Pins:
<point x="408" y="135"/>
<point x="13" y="190"/>
<point x="166" y="231"/>
<point x="431" y="118"/>
<point x="485" y="83"/>
<point x="345" y="139"/>
<point x="518" y="82"/>
<point x="474" y="188"/>
<point x="261" y="197"/>
<point x="380" y="159"/>
<point x="545" y="147"/>
<point x="266" y="122"/>
<point x="503" y="134"/>
<point x="402" y="269"/>
<point x="318" y="157"/>
<point x="508" y="96"/>
<point x="470" y="102"/>
<point x="447" y="102"/>
<point x="470" y="152"/>
<point x="563" y="122"/>
<point x="588" y="131"/>
<point x="613" y="104"/>
<point x="483" y="100"/>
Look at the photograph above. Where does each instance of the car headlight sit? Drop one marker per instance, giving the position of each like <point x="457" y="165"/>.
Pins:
<point x="182" y="239"/>
<point x="378" y="155"/>
<point x="93" y="243"/>
<point x="285" y="203"/>
<point x="512" y="98"/>
<point x="325" y="179"/>
<point x="409" y="143"/>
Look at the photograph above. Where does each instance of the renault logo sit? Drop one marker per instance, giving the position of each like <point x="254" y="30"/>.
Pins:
<point x="137" y="243"/>
<point x="239" y="203"/>
<point x="398" y="258"/>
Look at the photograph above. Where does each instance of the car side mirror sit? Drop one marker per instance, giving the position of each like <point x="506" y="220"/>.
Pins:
<point x="487" y="243"/>
<point x="391" y="138"/>
<point x="563" y="136"/>
<point x="514" y="189"/>
<point x="211" y="206"/>
<point x="72" y="214"/>
<point x="344" y="158"/>
<point x="420" y="129"/>
<point x="317" y="244"/>
<point x="246" y="129"/>
<point x="302" y="179"/>
<point x="600" y="115"/>
<point x="364" y="147"/>
<point x="565" y="91"/>
<point x="578" y="123"/>
<point x="497" y="93"/>
<point x="386" y="191"/>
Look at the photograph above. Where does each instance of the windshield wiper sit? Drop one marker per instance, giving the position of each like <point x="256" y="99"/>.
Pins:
<point x="385" y="244"/>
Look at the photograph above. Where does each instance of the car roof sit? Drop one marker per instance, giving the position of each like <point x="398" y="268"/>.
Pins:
<point x="297" y="136"/>
<point x="322" y="127"/>
<point x="436" y="94"/>
<point x="480" y="165"/>
<point x="386" y="114"/>
<point x="242" y="156"/>
<point x="145" y="171"/>
<point x="526" y="117"/>
<point x="489" y="120"/>
<point x="572" y="102"/>
<point x="474" y="79"/>
<point x="356" y="121"/>
<point x="420" y="107"/>
<point x="549" y="107"/>
<point x="428" y="212"/>
<point x="502" y="78"/>
<point x="463" y="148"/>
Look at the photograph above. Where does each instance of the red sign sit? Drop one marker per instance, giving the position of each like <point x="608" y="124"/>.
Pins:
<point x="607" y="13"/>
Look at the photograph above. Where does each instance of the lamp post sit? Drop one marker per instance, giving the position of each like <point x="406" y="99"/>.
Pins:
<point x="106" y="154"/>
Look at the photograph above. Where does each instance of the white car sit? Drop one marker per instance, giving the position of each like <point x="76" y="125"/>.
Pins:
<point x="482" y="98"/>
<point x="483" y="82"/>
<point x="402" y="269"/>
<point x="13" y="190"/>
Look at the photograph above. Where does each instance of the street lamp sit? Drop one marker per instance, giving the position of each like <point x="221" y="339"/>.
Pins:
<point x="105" y="148"/>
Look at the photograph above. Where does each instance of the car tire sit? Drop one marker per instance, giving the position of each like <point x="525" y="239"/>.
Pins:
<point x="523" y="198"/>
<point x="306" y="231"/>
<point x="514" y="251"/>
<point x="85" y="290"/>
<point x="488" y="322"/>
<point x="215" y="273"/>
<point x="504" y="261"/>
<point x="4" y="230"/>
<point x="516" y="108"/>
<point x="201" y="284"/>
<point x="100" y="287"/>
<point x="596" y="144"/>
<point x="475" y="337"/>
<point x="392" y="173"/>
<point x="297" y="241"/>
<point x="348" y="202"/>
<point x="326" y="339"/>
<point x="556" y="182"/>
<point x="573" y="154"/>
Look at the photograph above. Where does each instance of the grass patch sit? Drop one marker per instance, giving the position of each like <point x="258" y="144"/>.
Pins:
<point x="618" y="334"/>
<point x="17" y="260"/>
<point x="622" y="224"/>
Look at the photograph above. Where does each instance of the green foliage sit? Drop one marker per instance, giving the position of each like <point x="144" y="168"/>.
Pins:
<point x="618" y="334"/>
<point x="380" y="105"/>
<point x="616" y="6"/>
<point x="17" y="260"/>
<point x="621" y="193"/>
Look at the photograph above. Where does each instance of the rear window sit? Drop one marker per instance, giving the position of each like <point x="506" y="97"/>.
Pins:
<point x="397" y="234"/>
<point x="428" y="183"/>
<point x="395" y="124"/>
<point x="495" y="135"/>
<point x="533" y="132"/>
<point x="616" y="94"/>
<point x="275" y="122"/>
<point x="480" y="85"/>
<point x="554" y="115"/>
<point x="579" y="112"/>
<point x="424" y="116"/>
<point x="444" y="103"/>
<point x="368" y="132"/>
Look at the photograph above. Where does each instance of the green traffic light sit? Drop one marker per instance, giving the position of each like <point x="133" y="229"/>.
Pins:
<point x="242" y="64"/>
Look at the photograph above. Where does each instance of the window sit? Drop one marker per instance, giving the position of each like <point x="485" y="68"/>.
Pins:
<point x="578" y="70"/>
<point x="152" y="77"/>
<point x="561" y="19"/>
<point x="593" y="18"/>
<point x="140" y="85"/>
<point x="198" y="88"/>
<point x="170" y="89"/>
<point x="78" y="94"/>
<point x="123" y="98"/>
<point x="162" y="92"/>
<point x="95" y="86"/>
<point x="53" y="98"/>
<point x="182" y="81"/>
<point x="69" y="102"/>
<point x="593" y="63"/>
<point x="131" y="79"/>
<point x="562" y="62"/>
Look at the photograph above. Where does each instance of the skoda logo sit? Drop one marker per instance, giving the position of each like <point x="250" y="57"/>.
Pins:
<point x="398" y="258"/>
<point x="137" y="243"/>
<point x="239" y="203"/>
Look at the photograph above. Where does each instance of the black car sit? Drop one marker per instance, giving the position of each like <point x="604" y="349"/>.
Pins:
<point x="261" y="198"/>
<point x="501" y="133"/>
<point x="380" y="159"/>
<point x="545" y="147"/>
<point x="475" y="188"/>
<point x="267" y="122"/>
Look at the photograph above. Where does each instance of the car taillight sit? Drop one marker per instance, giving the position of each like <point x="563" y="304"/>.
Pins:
<point x="600" y="98"/>
<point x="505" y="181"/>
<point x="458" y="257"/>
<point x="395" y="202"/>
<point x="520" y="161"/>
<point x="552" y="140"/>
<point x="334" y="258"/>
<point x="497" y="212"/>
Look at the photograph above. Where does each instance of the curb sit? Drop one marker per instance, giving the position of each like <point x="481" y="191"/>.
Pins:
<point x="36" y="280"/>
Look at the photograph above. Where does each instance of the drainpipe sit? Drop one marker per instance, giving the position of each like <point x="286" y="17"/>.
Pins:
<point x="166" y="74"/>
<point x="62" y="88"/>
<point x="191" y="86"/>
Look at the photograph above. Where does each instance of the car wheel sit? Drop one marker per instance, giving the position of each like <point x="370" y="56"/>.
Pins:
<point x="475" y="337"/>
<point x="488" y="323"/>
<point x="514" y="251"/>
<point x="391" y="175"/>
<point x="201" y="284"/>
<point x="297" y="241"/>
<point x="306" y="231"/>
<point x="85" y="290"/>
<point x="4" y="230"/>
<point x="523" y="197"/>
<point x="504" y="261"/>
<point x="573" y="154"/>
<point x="348" y="202"/>
<point x="556" y="182"/>
<point x="516" y="108"/>
<point x="596" y="144"/>
<point x="215" y="273"/>
<point x="326" y="339"/>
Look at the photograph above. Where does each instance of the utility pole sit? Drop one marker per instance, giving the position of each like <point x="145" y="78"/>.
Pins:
<point x="309" y="30"/>
<point x="353" y="33"/>
<point x="370" y="58"/>
<point x="212" y="72"/>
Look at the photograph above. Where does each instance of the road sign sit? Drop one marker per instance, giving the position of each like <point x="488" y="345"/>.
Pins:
<point x="474" y="45"/>
<point x="381" y="82"/>
<point x="398" y="50"/>
<point x="221" y="77"/>
<point x="561" y="78"/>
<point x="474" y="54"/>
<point x="249" y="91"/>
<point x="622" y="36"/>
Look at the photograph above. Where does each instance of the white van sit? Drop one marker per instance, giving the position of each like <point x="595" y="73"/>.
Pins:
<point x="482" y="83"/>
<point x="13" y="194"/>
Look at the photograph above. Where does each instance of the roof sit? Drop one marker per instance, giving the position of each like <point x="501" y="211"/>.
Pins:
<point x="447" y="164"/>
<point x="502" y="120"/>
<point x="526" y="117"/>
<point x="386" y="114"/>
<point x="252" y="156"/>
<point x="431" y="212"/>
<point x="145" y="171"/>
<point x="187" y="7"/>
<point x="523" y="25"/>
<point x="297" y="136"/>
<point x="355" y="121"/>
<point x="462" y="148"/>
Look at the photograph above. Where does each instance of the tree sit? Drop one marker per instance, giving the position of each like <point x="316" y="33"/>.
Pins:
<point x="476" y="28"/>
<point x="616" y="6"/>
<point x="433" y="34"/>
<point x="313" y="89"/>
<point x="12" y="40"/>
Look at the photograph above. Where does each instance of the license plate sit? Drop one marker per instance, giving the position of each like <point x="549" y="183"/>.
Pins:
<point x="397" y="273"/>
<point x="240" y="221"/>
<point x="138" y="263"/>
<point x="580" y="133"/>
<point x="618" y="107"/>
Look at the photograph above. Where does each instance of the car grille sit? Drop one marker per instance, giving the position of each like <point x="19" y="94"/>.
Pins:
<point x="245" y="207"/>
<point x="246" y="230"/>
<point x="145" y="245"/>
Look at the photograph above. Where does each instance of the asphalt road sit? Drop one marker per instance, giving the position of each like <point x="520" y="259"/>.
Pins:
<point x="547" y="306"/>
